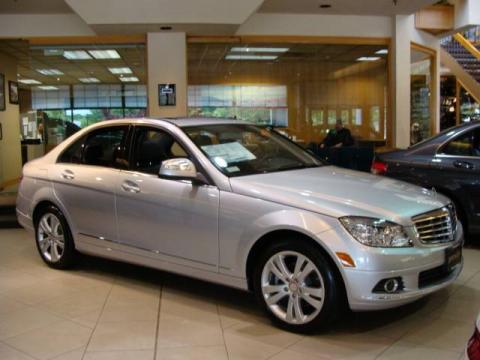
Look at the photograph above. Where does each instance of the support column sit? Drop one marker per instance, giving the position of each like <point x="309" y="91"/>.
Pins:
<point x="401" y="81"/>
<point x="10" y="147"/>
<point x="167" y="64"/>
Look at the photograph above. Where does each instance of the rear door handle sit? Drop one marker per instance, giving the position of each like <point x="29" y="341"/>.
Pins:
<point x="130" y="186"/>
<point x="68" y="174"/>
<point x="463" y="165"/>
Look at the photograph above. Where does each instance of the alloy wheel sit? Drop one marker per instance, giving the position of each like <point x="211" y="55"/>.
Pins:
<point x="292" y="287"/>
<point x="51" y="238"/>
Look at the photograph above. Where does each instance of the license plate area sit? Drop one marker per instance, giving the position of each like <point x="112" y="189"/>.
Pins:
<point x="453" y="257"/>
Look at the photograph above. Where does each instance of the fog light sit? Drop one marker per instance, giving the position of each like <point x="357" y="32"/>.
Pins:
<point x="389" y="286"/>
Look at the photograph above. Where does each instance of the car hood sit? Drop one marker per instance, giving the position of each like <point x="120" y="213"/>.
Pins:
<point x="337" y="192"/>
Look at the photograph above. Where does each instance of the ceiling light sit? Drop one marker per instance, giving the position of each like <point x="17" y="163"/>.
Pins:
<point x="120" y="70"/>
<point x="382" y="52"/>
<point x="47" y="87"/>
<point x="259" y="49"/>
<point x="368" y="58"/>
<point x="104" y="54"/>
<point x="129" y="79"/>
<point x="29" y="81"/>
<point x="76" y="55"/>
<point x="50" y="72"/>
<point x="53" y="52"/>
<point x="251" y="57"/>
<point x="89" y="80"/>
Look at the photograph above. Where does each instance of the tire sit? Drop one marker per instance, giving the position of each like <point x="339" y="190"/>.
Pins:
<point x="54" y="239"/>
<point x="314" y="290"/>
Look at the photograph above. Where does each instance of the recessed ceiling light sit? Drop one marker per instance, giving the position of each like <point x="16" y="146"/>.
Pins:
<point x="251" y="57"/>
<point x="325" y="6"/>
<point x="50" y="72"/>
<point x="368" y="58"/>
<point x="53" y="52"/>
<point x="129" y="79"/>
<point x="76" y="55"/>
<point x="29" y="81"/>
<point x="47" y="87"/>
<point x="89" y="80"/>
<point x="104" y="54"/>
<point x="259" y="49"/>
<point x="382" y="52"/>
<point x="120" y="70"/>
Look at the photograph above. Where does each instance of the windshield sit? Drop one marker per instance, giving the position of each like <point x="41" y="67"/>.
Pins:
<point x="238" y="149"/>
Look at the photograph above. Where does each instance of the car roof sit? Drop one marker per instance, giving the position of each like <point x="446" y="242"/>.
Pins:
<point x="185" y="122"/>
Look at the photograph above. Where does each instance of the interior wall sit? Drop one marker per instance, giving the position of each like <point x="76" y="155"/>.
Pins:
<point x="10" y="148"/>
<point x="167" y="64"/>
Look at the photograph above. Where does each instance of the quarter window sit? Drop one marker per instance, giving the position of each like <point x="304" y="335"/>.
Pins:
<point x="153" y="146"/>
<point x="467" y="144"/>
<point x="73" y="154"/>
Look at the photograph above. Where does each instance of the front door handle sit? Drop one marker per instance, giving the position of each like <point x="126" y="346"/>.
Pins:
<point x="130" y="186"/>
<point x="68" y="174"/>
<point x="463" y="165"/>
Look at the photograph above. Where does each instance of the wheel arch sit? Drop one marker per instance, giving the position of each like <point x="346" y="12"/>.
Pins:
<point x="265" y="240"/>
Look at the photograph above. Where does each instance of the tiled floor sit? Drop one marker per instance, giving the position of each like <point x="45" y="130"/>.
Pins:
<point x="107" y="310"/>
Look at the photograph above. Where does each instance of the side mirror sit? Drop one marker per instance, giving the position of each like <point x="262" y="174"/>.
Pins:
<point x="180" y="169"/>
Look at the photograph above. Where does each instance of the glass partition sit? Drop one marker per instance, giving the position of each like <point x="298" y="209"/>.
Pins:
<point x="469" y="107"/>
<point x="304" y="88"/>
<point x="421" y="102"/>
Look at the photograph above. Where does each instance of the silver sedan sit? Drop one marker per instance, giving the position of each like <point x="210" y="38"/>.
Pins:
<point x="241" y="205"/>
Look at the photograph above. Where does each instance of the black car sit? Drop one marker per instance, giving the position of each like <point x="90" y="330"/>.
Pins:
<point x="448" y="162"/>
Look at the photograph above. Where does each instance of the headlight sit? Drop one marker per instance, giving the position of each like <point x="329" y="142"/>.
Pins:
<point x="376" y="232"/>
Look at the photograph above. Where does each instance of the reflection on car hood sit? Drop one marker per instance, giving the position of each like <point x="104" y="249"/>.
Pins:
<point x="339" y="192"/>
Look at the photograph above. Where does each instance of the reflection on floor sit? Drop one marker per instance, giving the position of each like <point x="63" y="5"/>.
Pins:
<point x="108" y="310"/>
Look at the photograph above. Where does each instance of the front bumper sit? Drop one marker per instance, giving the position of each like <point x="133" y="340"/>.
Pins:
<point x="361" y="297"/>
<point x="377" y="264"/>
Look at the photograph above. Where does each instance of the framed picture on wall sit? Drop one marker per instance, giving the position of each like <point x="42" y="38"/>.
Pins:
<point x="167" y="95"/>
<point x="2" y="92"/>
<point x="13" y="92"/>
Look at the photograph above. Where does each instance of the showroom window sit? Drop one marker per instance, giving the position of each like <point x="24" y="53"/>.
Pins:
<point x="259" y="104"/>
<point x="302" y="88"/>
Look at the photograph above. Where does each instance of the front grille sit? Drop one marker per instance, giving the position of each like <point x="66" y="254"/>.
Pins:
<point x="433" y="276"/>
<point x="437" y="226"/>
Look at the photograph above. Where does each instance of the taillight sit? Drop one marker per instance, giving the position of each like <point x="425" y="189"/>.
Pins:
<point x="473" y="348"/>
<point x="379" y="168"/>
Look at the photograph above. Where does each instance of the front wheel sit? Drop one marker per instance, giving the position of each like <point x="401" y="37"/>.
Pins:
<point x="297" y="286"/>
<point x="54" y="239"/>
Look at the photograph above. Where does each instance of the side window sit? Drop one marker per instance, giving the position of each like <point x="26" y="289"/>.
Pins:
<point x="467" y="144"/>
<point x="151" y="147"/>
<point x="73" y="154"/>
<point x="104" y="147"/>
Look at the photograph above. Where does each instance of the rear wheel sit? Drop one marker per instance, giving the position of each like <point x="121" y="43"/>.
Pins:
<point x="297" y="286"/>
<point x="54" y="239"/>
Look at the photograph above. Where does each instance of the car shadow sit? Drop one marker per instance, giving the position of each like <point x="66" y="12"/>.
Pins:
<point x="244" y="305"/>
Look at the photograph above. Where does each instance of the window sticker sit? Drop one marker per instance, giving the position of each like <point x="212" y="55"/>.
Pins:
<point x="231" y="152"/>
<point x="233" y="169"/>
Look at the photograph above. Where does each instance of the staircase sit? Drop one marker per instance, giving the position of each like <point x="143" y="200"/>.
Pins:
<point x="463" y="56"/>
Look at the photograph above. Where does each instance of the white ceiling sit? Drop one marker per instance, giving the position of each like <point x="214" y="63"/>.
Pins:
<point x="34" y="7"/>
<point x="345" y="7"/>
